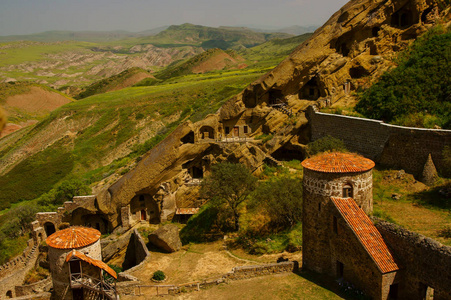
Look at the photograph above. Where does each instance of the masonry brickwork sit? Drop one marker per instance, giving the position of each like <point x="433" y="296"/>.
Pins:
<point x="394" y="146"/>
<point x="13" y="273"/>
<point x="425" y="262"/>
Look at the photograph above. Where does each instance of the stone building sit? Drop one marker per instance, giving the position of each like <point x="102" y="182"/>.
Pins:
<point x="339" y="239"/>
<point x="76" y="265"/>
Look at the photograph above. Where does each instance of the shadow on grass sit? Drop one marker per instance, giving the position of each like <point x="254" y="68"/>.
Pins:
<point x="329" y="284"/>
<point x="433" y="197"/>
<point x="203" y="226"/>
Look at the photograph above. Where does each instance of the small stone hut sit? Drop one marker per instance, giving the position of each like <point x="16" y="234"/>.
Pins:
<point x="339" y="239"/>
<point x="76" y="265"/>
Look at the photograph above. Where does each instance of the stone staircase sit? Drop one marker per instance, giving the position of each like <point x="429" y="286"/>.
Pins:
<point x="281" y="106"/>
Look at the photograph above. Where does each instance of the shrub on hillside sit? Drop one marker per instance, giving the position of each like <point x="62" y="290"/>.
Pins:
<point x="228" y="186"/>
<point x="281" y="198"/>
<point x="158" y="275"/>
<point x="327" y="143"/>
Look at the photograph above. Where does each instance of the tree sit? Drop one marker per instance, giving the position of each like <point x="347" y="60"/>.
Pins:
<point x="229" y="184"/>
<point x="282" y="200"/>
<point x="327" y="143"/>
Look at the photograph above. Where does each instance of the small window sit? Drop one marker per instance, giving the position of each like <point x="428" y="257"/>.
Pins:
<point x="245" y="129"/>
<point x="335" y="225"/>
<point x="227" y="130"/>
<point x="141" y="198"/>
<point x="347" y="191"/>
<point x="319" y="207"/>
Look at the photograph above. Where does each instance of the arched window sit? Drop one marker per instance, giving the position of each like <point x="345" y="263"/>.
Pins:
<point x="348" y="191"/>
<point x="9" y="294"/>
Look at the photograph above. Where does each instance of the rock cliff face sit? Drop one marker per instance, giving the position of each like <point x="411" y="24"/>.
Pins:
<point x="349" y="51"/>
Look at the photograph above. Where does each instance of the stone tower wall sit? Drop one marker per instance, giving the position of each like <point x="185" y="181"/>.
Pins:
<point x="60" y="269"/>
<point x="317" y="206"/>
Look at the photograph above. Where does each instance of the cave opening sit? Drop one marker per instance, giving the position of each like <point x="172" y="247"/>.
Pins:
<point x="288" y="152"/>
<point x="358" y="72"/>
<point x="189" y="138"/>
<point x="375" y="31"/>
<point x="402" y="18"/>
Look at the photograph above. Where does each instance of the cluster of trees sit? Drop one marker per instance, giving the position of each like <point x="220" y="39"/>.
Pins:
<point x="417" y="92"/>
<point x="230" y="185"/>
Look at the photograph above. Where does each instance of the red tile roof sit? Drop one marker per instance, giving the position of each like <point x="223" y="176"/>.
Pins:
<point x="73" y="237"/>
<point x="336" y="162"/>
<point x="98" y="263"/>
<point x="367" y="233"/>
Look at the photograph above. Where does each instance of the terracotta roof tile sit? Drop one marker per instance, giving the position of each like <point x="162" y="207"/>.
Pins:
<point x="98" y="263"/>
<point x="73" y="237"/>
<point x="336" y="162"/>
<point x="367" y="233"/>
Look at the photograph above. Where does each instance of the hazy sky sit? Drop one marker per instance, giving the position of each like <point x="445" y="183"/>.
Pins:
<point x="31" y="16"/>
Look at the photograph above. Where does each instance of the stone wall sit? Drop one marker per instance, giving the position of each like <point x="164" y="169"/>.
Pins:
<point x="424" y="262"/>
<point x="394" y="146"/>
<point x="13" y="273"/>
<point x="245" y="272"/>
<point x="136" y="288"/>
<point x="35" y="288"/>
<point x="41" y="296"/>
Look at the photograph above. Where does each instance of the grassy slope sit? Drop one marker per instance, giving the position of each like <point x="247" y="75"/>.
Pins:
<point x="186" y="67"/>
<point x="109" y="83"/>
<point x="115" y="117"/>
<point x="419" y="209"/>
<point x="19" y="52"/>
<point x="18" y="88"/>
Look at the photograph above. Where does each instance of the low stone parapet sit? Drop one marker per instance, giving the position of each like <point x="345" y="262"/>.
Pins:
<point x="33" y="289"/>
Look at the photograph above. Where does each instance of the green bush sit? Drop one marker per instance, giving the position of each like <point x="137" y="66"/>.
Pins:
<point x="281" y="198"/>
<point x="158" y="275"/>
<point x="327" y="143"/>
<point x="445" y="232"/>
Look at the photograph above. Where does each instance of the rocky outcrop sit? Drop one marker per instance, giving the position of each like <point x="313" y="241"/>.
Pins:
<point x="166" y="238"/>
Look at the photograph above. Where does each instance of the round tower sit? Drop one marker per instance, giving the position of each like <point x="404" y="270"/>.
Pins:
<point x="61" y="244"/>
<point x="326" y="175"/>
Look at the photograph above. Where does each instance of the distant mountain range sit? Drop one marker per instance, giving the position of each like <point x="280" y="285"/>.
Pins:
<point x="105" y="36"/>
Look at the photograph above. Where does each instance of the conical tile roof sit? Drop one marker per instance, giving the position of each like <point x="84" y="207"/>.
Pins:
<point x="73" y="237"/>
<point x="336" y="162"/>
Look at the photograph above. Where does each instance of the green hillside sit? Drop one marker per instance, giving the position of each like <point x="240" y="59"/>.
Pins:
<point x="113" y="83"/>
<point x="275" y="49"/>
<point x="114" y="119"/>
<point x="228" y="58"/>
<point x="418" y="92"/>
<point x="210" y="37"/>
